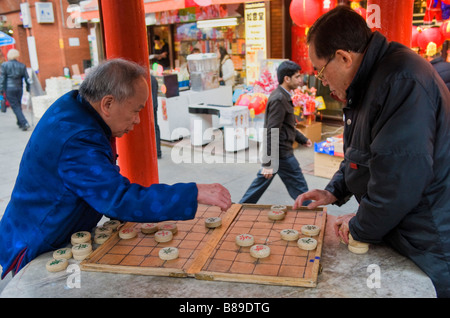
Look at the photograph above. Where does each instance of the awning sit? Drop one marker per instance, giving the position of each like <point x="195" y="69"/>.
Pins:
<point x="163" y="5"/>
<point x="5" y="39"/>
<point x="89" y="11"/>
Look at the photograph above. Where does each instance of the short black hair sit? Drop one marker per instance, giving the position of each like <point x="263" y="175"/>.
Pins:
<point x="157" y="38"/>
<point x="341" y="28"/>
<point x="287" y="68"/>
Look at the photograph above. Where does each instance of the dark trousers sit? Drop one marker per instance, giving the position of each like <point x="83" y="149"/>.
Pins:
<point x="14" y="97"/>
<point x="290" y="173"/>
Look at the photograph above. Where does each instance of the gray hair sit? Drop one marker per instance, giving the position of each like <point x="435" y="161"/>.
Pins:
<point x="12" y="54"/>
<point x="113" y="77"/>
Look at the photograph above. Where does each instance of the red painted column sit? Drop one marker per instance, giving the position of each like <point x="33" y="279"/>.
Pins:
<point x="391" y="18"/>
<point x="125" y="36"/>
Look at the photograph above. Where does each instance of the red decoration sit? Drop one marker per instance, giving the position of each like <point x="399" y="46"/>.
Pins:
<point x="415" y="35"/>
<point x="244" y="100"/>
<point x="446" y="1"/>
<point x="445" y="28"/>
<point x="430" y="35"/>
<point x="305" y="12"/>
<point x="258" y="103"/>
<point x="327" y="5"/>
<point x="433" y="10"/>
<point x="299" y="50"/>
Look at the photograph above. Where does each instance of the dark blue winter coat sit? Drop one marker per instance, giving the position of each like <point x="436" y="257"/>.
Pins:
<point x="397" y="157"/>
<point x="68" y="179"/>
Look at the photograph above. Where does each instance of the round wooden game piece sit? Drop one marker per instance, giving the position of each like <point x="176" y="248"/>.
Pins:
<point x="81" y="251"/>
<point x="276" y="215"/>
<point x="355" y="243"/>
<point x="127" y="233"/>
<point x="101" y="238"/>
<point x="112" y="224"/>
<point x="63" y="253"/>
<point x="213" y="222"/>
<point x="80" y="237"/>
<point x="259" y="251"/>
<point x="307" y="243"/>
<point x="103" y="230"/>
<point x="172" y="227"/>
<point x="358" y="250"/>
<point x="57" y="265"/>
<point x="278" y="208"/>
<point x="163" y="236"/>
<point x="149" y="228"/>
<point x="245" y="240"/>
<point x="311" y="230"/>
<point x="168" y="253"/>
<point x="289" y="235"/>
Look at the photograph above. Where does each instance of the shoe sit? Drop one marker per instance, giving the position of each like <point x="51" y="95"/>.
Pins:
<point x="25" y="127"/>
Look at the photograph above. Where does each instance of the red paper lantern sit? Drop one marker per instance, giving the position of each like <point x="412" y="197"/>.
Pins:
<point x="430" y="35"/>
<point x="445" y="29"/>
<point x="415" y="35"/>
<point x="258" y="103"/>
<point x="244" y="100"/>
<point x="305" y="12"/>
<point x="446" y="1"/>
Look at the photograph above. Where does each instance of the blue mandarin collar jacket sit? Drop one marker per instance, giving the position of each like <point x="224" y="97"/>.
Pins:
<point x="68" y="179"/>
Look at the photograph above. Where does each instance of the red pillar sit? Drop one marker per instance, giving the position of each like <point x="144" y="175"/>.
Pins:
<point x="391" y="18"/>
<point x="125" y="36"/>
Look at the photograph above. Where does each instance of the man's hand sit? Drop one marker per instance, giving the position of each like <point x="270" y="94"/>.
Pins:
<point x="267" y="173"/>
<point x="320" y="197"/>
<point x="341" y="226"/>
<point x="214" y="194"/>
<point x="308" y="143"/>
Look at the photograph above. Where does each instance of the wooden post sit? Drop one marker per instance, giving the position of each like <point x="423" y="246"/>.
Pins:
<point x="125" y="36"/>
<point x="391" y="18"/>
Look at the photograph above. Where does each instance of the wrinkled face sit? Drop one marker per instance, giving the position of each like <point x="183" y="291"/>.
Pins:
<point x="123" y="116"/>
<point x="332" y="73"/>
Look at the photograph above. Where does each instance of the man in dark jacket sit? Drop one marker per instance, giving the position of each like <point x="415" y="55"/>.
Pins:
<point x="12" y="75"/>
<point x="68" y="178"/>
<point x="279" y="124"/>
<point x="443" y="69"/>
<point x="396" y="142"/>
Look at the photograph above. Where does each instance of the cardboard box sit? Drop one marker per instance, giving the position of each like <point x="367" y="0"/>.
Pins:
<point x="313" y="131"/>
<point x="325" y="165"/>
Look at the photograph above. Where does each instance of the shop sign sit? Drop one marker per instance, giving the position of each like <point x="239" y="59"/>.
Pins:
<point x="255" y="38"/>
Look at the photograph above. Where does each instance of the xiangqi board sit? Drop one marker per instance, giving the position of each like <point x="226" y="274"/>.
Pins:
<point x="212" y="253"/>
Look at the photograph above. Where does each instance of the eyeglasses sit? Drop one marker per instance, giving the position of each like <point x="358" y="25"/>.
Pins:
<point x="320" y="74"/>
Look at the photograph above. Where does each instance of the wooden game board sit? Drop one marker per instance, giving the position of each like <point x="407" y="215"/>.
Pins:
<point x="212" y="254"/>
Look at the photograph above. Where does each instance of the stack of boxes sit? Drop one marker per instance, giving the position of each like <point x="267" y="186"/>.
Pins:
<point x="55" y="87"/>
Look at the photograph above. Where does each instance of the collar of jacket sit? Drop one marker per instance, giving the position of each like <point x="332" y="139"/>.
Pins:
<point x="88" y="107"/>
<point x="436" y="60"/>
<point x="376" y="48"/>
<point x="285" y="93"/>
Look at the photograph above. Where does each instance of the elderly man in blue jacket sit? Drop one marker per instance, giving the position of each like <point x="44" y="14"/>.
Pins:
<point x="396" y="142"/>
<point x="68" y="178"/>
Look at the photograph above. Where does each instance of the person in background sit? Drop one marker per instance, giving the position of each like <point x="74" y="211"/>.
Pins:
<point x="68" y="177"/>
<point x="279" y="123"/>
<point x="154" y="86"/>
<point x="161" y="52"/>
<point x="396" y="142"/>
<point x="196" y="50"/>
<point x="226" y="71"/>
<point x="441" y="66"/>
<point x="12" y="75"/>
